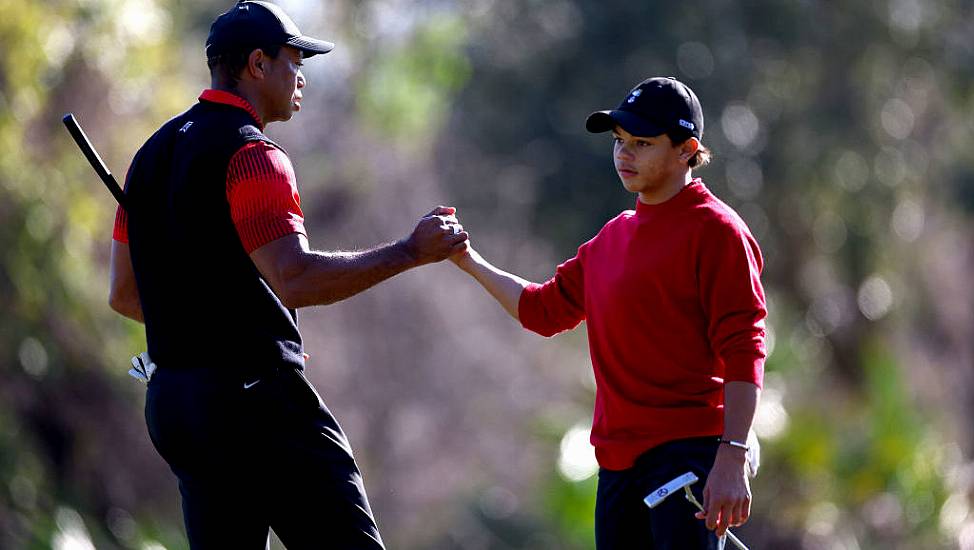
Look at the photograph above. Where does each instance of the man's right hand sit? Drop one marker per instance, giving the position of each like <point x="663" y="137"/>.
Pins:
<point x="437" y="236"/>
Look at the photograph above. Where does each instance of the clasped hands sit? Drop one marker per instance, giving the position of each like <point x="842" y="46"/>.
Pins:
<point x="437" y="236"/>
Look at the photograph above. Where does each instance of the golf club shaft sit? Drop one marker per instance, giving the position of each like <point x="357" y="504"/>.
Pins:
<point x="89" y="151"/>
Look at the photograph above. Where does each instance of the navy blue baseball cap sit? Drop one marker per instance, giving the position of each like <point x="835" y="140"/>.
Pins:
<point x="657" y="105"/>
<point x="252" y="24"/>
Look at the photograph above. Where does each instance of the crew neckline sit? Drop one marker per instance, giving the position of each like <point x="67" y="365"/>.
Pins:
<point x="688" y="191"/>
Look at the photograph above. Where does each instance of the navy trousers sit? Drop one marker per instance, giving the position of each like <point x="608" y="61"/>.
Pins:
<point x="254" y="452"/>
<point x="624" y="522"/>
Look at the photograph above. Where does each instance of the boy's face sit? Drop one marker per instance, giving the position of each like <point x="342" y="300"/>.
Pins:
<point x="646" y="164"/>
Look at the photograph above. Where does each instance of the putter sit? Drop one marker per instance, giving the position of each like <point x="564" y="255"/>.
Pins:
<point x="684" y="482"/>
<point x="93" y="158"/>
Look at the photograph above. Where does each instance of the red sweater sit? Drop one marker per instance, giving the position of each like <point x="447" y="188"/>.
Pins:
<point x="674" y="307"/>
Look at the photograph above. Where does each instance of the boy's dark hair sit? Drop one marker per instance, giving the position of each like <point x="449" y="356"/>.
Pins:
<point x="226" y="68"/>
<point x="699" y="159"/>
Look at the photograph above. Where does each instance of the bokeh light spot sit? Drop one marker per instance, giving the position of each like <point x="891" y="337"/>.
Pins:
<point x="906" y="15"/>
<point x="822" y="519"/>
<point x="498" y="503"/>
<point x="577" y="459"/>
<point x="23" y="492"/>
<point x="695" y="60"/>
<point x="33" y="357"/>
<point x="740" y="125"/>
<point x="891" y="166"/>
<point x="744" y="177"/>
<point x="954" y="513"/>
<point x="771" y="418"/>
<point x="851" y="171"/>
<point x="829" y="231"/>
<point x="907" y="221"/>
<point x="875" y="298"/>
<point x="72" y="534"/>
<point x="897" y="118"/>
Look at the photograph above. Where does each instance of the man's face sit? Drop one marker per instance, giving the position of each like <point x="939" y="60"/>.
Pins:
<point x="645" y="164"/>
<point x="282" y="85"/>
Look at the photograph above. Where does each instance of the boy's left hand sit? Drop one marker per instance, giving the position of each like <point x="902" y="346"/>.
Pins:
<point x="727" y="494"/>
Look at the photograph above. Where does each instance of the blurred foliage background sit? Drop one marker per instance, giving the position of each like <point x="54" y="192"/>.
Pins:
<point x="843" y="133"/>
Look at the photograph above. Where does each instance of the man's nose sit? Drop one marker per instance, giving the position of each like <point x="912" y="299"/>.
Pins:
<point x="301" y="81"/>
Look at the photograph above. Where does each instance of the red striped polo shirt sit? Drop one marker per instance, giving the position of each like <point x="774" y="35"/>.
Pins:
<point x="261" y="188"/>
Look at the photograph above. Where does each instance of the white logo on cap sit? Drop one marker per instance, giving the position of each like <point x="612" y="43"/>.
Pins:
<point x="687" y="125"/>
<point x="634" y="95"/>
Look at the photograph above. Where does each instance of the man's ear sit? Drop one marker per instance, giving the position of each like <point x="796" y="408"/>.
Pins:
<point x="256" y="63"/>
<point x="689" y="148"/>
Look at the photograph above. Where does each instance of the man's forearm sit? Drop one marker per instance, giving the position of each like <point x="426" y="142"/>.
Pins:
<point x="505" y="287"/>
<point x="123" y="293"/>
<point x="328" y="277"/>
<point x="132" y="310"/>
<point x="303" y="277"/>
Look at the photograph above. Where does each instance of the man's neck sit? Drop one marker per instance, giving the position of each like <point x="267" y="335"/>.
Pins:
<point x="246" y="94"/>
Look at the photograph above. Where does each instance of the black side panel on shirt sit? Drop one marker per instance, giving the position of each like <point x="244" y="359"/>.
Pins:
<point x="203" y="299"/>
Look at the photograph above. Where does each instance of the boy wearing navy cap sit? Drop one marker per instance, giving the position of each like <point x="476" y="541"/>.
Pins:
<point x="674" y="307"/>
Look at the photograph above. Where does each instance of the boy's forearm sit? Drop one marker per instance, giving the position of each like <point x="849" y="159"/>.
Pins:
<point x="740" y="404"/>
<point x="505" y="287"/>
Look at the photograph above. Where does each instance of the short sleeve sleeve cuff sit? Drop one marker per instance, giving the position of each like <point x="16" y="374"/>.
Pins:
<point x="263" y="195"/>
<point x="120" y="232"/>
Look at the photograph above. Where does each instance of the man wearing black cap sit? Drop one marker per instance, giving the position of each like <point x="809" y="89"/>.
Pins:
<point x="212" y="256"/>
<point x="672" y="298"/>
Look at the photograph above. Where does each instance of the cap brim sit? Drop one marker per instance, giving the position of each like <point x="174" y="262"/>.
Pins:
<point x="604" y="121"/>
<point x="310" y="46"/>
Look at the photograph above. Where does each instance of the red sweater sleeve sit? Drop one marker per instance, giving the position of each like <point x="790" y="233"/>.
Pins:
<point x="263" y="195"/>
<point x="558" y="304"/>
<point x="733" y="299"/>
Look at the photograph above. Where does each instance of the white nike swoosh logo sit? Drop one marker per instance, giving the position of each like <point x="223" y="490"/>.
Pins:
<point x="251" y="384"/>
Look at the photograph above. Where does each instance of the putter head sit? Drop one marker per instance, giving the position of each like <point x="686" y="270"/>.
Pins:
<point x="659" y="495"/>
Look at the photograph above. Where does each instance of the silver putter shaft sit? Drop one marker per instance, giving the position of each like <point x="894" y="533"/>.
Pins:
<point x="684" y="482"/>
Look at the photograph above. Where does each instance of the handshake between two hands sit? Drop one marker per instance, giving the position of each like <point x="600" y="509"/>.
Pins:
<point x="439" y="236"/>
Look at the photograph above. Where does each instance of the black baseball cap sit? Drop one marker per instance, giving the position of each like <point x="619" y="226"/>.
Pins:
<point x="655" y="106"/>
<point x="254" y="24"/>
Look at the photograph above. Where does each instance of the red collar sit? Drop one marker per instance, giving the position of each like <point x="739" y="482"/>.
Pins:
<point x="229" y="98"/>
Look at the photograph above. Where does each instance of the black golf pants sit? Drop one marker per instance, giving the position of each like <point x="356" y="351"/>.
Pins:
<point x="258" y="452"/>
<point x="624" y="522"/>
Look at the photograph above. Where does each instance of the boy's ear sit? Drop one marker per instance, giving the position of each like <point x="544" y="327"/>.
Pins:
<point x="689" y="148"/>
